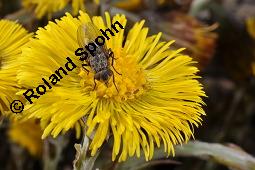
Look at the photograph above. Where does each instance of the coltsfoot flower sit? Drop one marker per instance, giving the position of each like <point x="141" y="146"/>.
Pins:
<point x="27" y="134"/>
<point x="48" y="7"/>
<point x="12" y="38"/>
<point x="199" y="39"/>
<point x="158" y="98"/>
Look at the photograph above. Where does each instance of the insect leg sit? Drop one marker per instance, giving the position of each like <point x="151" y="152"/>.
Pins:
<point x="112" y="56"/>
<point x="106" y="83"/>
<point x="83" y="66"/>
<point x="113" y="79"/>
<point x="95" y="84"/>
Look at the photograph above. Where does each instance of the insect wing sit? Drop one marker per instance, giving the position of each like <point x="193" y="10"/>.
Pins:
<point x="88" y="33"/>
<point x="81" y="38"/>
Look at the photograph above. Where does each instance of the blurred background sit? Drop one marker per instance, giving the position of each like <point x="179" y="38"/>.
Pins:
<point x="218" y="34"/>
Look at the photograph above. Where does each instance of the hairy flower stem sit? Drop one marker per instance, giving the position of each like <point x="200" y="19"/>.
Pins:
<point x="51" y="162"/>
<point x="83" y="160"/>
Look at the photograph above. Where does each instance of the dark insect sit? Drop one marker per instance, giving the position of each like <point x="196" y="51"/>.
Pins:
<point x="99" y="61"/>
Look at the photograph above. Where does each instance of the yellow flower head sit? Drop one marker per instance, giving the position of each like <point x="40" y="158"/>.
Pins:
<point x="12" y="38"/>
<point x="48" y="7"/>
<point x="158" y="98"/>
<point x="27" y="134"/>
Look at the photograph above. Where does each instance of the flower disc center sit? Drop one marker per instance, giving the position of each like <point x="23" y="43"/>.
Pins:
<point x="130" y="83"/>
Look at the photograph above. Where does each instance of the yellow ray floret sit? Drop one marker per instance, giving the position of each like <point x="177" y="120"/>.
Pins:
<point x="250" y="22"/>
<point x="158" y="98"/>
<point x="48" y="7"/>
<point x="12" y="38"/>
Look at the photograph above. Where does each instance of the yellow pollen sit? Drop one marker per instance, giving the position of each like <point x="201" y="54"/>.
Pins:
<point x="130" y="84"/>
